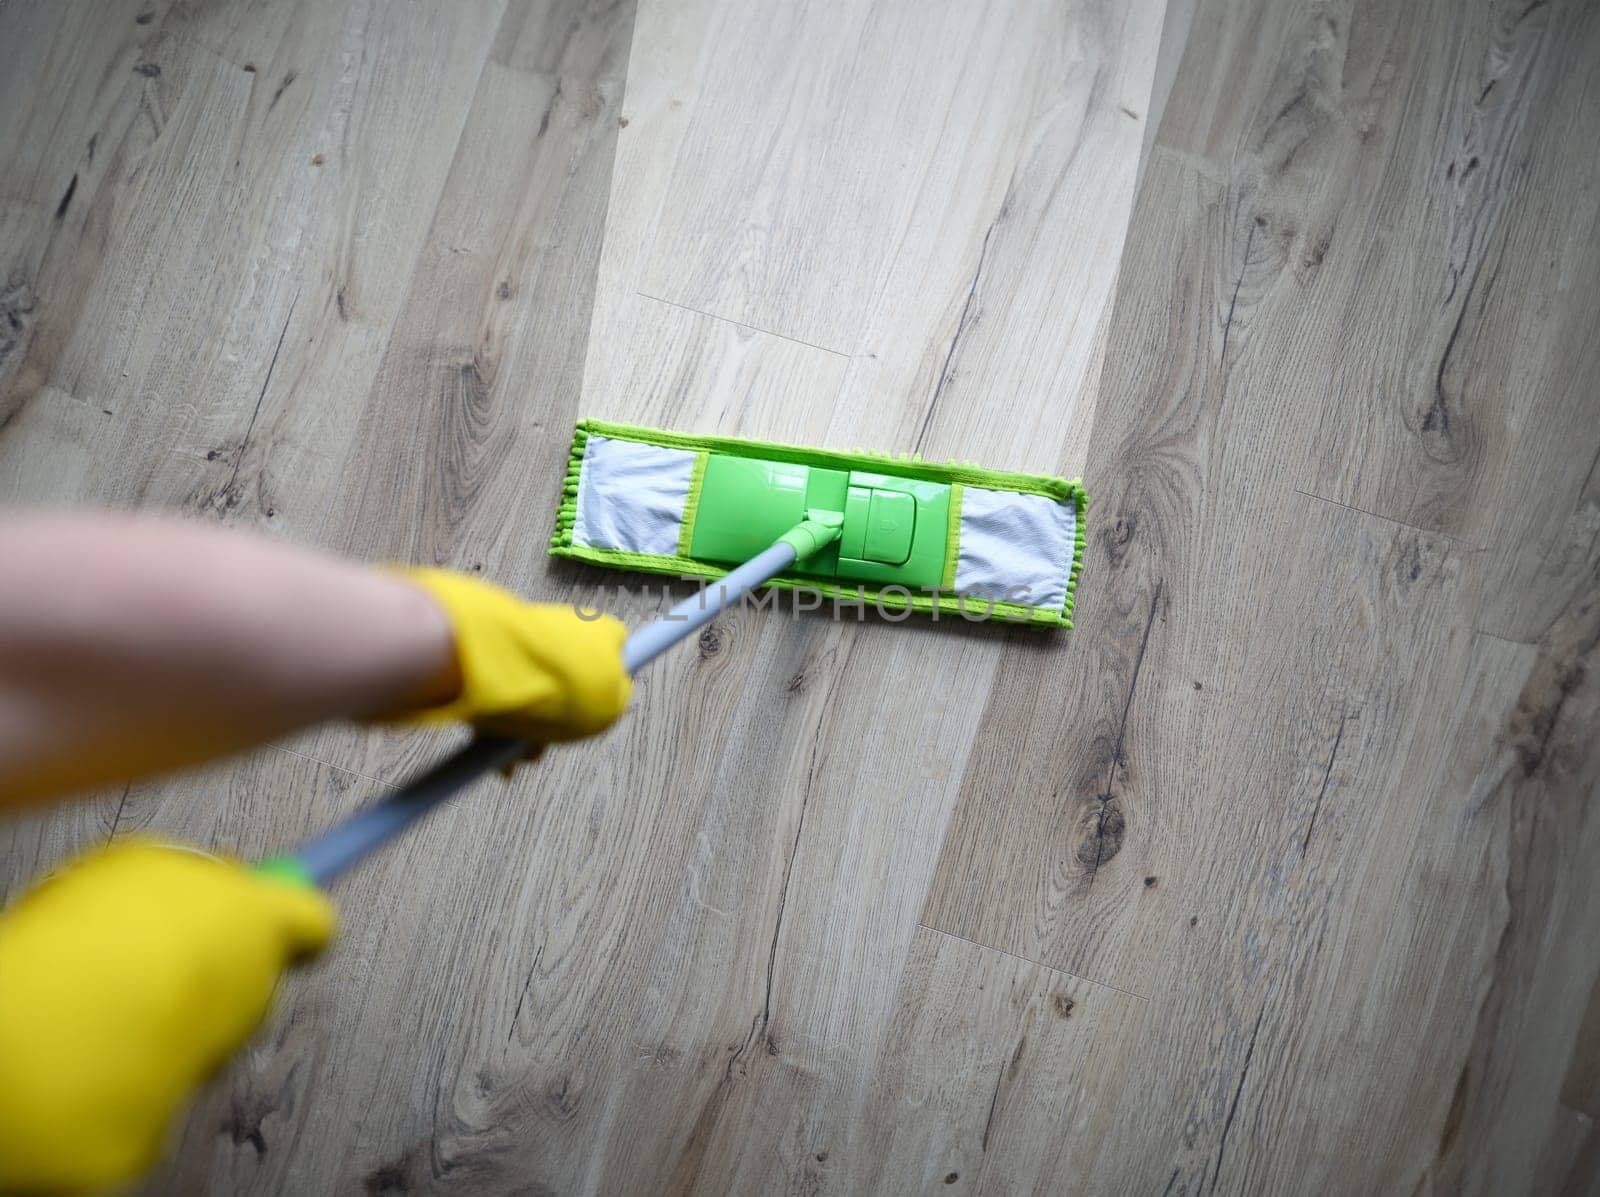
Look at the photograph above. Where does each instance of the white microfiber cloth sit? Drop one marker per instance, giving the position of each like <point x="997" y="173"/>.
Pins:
<point x="631" y="496"/>
<point x="1021" y="544"/>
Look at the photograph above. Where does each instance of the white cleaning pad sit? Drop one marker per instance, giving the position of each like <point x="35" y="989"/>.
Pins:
<point x="1017" y="543"/>
<point x="631" y="496"/>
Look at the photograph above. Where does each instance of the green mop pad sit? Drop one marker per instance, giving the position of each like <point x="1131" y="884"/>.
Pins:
<point x="916" y="536"/>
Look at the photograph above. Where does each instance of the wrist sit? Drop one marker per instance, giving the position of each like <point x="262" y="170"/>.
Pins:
<point x="430" y="672"/>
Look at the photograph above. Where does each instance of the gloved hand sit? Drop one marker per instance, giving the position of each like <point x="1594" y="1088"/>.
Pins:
<point x="532" y="671"/>
<point x="126" y="979"/>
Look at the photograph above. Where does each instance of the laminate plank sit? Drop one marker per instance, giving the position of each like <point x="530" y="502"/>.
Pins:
<point x="54" y="145"/>
<point x="461" y="443"/>
<point x="1255" y="322"/>
<point x="163" y="215"/>
<point x="649" y="359"/>
<point x="1360" y="944"/>
<point x="1474" y="186"/>
<point x="1176" y="31"/>
<point x="1532" y="1044"/>
<point x="1544" y="539"/>
<point x="471" y="398"/>
<point x="1047" y="794"/>
<point x="1352" y="965"/>
<point x="305" y="256"/>
<point x="804" y="827"/>
<point x="1426" y="145"/>
<point x="262" y="201"/>
<point x="982" y="1074"/>
<point x="109" y="249"/>
<point x="788" y="231"/>
<point x="1570" y="1161"/>
<point x="958" y="227"/>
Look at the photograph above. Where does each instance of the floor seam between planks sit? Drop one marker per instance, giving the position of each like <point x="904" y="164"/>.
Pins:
<point x="1534" y="643"/>
<point x="317" y="760"/>
<point x="1204" y="167"/>
<point x="741" y="324"/>
<point x="988" y="947"/>
<point x="1389" y="519"/>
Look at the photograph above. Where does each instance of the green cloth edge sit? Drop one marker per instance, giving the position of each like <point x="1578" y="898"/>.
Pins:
<point x="1059" y="489"/>
<point x="567" y="513"/>
<point x="691" y="505"/>
<point x="952" y="538"/>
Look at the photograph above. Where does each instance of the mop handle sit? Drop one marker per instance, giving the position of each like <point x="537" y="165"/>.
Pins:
<point x="322" y="859"/>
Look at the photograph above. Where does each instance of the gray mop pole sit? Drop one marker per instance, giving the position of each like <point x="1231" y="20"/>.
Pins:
<point x="335" y="850"/>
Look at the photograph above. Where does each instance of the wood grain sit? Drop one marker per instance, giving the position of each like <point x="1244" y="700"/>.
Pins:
<point x="1287" y="729"/>
<point x="1272" y="877"/>
<point x="979" y="1087"/>
<point x="325" y="161"/>
<point x="780" y="966"/>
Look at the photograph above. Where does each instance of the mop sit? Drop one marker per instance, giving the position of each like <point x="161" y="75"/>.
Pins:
<point x="899" y="533"/>
<point x="913" y="536"/>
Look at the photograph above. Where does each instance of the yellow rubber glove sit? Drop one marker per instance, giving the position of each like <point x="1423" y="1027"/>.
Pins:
<point x="126" y="979"/>
<point x="532" y="671"/>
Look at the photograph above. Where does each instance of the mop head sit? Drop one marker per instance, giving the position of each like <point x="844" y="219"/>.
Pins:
<point x="916" y="536"/>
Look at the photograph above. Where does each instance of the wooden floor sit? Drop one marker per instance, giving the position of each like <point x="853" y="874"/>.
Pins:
<point x="1276" y="875"/>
